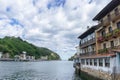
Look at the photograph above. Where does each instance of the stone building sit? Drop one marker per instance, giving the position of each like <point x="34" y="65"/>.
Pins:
<point x="44" y="58"/>
<point x="100" y="45"/>
<point x="23" y="56"/>
<point x="5" y="55"/>
<point x="108" y="37"/>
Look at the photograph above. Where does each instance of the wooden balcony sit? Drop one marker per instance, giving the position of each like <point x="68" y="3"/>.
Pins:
<point x="89" y="42"/>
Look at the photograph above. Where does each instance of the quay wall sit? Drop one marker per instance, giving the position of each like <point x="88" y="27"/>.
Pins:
<point x="92" y="74"/>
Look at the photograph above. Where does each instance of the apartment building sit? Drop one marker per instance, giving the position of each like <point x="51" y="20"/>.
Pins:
<point x="108" y="36"/>
<point x="88" y="42"/>
<point x="100" y="45"/>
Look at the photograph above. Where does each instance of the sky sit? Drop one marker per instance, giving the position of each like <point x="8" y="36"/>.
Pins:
<point x="54" y="24"/>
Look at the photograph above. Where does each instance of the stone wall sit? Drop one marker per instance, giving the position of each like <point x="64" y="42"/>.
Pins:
<point x="100" y="74"/>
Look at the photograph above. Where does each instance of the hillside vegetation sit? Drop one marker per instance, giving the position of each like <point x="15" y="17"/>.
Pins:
<point x="71" y="58"/>
<point x="15" y="46"/>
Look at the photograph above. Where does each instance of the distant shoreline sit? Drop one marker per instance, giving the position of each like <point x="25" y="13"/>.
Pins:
<point x="13" y="60"/>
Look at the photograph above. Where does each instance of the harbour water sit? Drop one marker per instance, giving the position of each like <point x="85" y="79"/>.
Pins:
<point x="44" y="70"/>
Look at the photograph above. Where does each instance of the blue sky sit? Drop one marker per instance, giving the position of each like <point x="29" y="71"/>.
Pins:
<point x="54" y="24"/>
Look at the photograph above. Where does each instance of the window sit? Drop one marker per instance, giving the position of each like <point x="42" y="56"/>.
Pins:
<point x="80" y="42"/>
<point x="110" y="29"/>
<point x="90" y="61"/>
<point x="83" y="61"/>
<point x="95" y="62"/>
<point x="104" y="45"/>
<point x="103" y="33"/>
<point x="116" y="11"/>
<point x="101" y="20"/>
<point x="109" y="18"/>
<point x="107" y="62"/>
<point x="118" y="25"/>
<point x="87" y="61"/>
<point x="112" y="43"/>
<point x="93" y="49"/>
<point x="101" y="62"/>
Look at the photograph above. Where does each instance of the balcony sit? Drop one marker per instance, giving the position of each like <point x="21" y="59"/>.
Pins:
<point x="88" y="53"/>
<point x="114" y="34"/>
<point x="103" y="51"/>
<point x="108" y="50"/>
<point x="113" y="16"/>
<point x="89" y="42"/>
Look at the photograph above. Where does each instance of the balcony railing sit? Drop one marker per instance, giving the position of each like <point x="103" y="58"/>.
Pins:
<point x="88" y="53"/>
<point x="115" y="33"/>
<point x="89" y="42"/>
<point x="108" y="50"/>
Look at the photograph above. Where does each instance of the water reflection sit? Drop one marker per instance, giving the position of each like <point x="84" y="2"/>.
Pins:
<point x="55" y="70"/>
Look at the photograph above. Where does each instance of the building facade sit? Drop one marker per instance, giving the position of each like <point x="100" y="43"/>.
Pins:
<point x="108" y="36"/>
<point x="100" y="45"/>
<point x="87" y="42"/>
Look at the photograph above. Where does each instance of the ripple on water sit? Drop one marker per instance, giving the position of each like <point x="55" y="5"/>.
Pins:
<point x="38" y="71"/>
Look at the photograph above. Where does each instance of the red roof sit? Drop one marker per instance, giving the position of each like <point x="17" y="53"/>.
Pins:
<point x="99" y="56"/>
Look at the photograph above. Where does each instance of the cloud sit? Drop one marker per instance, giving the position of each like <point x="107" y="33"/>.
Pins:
<point x="54" y="24"/>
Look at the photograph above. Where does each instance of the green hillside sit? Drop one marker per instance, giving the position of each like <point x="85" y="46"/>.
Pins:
<point x="71" y="58"/>
<point x="15" y="46"/>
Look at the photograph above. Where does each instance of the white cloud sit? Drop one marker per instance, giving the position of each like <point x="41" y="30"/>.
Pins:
<point x="55" y="26"/>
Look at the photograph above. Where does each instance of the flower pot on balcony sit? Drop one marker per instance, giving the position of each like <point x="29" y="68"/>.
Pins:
<point x="100" y="39"/>
<point x="106" y="38"/>
<point x="103" y="51"/>
<point x="116" y="32"/>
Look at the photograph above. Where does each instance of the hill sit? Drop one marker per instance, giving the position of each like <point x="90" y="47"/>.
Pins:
<point x="71" y="58"/>
<point x="15" y="46"/>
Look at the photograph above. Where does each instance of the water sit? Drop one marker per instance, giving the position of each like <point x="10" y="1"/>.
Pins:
<point x="46" y="70"/>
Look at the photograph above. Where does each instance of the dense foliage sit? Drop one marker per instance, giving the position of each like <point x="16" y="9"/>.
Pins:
<point x="71" y="58"/>
<point x="15" y="46"/>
